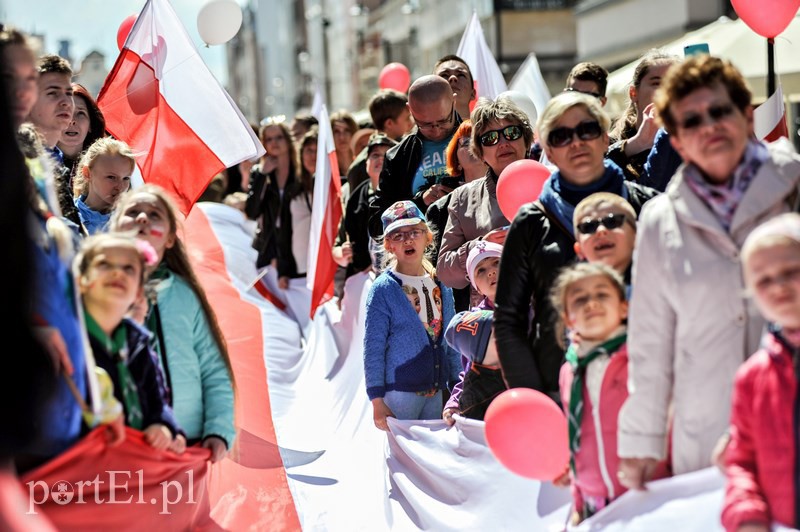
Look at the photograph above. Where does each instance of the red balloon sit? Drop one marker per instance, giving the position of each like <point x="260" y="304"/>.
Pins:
<point x="521" y="182"/>
<point x="527" y="433"/>
<point x="395" y="76"/>
<point x="768" y="18"/>
<point x="124" y="30"/>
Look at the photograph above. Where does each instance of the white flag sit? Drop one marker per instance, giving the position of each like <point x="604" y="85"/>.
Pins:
<point x="474" y="50"/>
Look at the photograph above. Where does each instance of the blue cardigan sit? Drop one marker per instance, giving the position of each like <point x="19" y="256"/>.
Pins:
<point x="398" y="352"/>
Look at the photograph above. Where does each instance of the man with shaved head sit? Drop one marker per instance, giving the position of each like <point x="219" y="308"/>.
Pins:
<point x="414" y="169"/>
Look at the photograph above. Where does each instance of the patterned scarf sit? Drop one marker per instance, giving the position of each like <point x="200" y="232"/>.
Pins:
<point x="579" y="365"/>
<point x="725" y="198"/>
<point x="560" y="197"/>
<point x="117" y="347"/>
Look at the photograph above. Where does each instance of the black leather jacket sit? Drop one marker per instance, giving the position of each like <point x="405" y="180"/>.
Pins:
<point x="535" y="250"/>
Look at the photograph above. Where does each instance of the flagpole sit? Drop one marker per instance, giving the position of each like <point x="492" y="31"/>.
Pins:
<point x="770" y="67"/>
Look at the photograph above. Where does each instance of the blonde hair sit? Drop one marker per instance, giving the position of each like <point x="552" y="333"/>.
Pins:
<point x="93" y="245"/>
<point x="569" y="276"/>
<point x="594" y="201"/>
<point x="390" y="260"/>
<point x="563" y="102"/>
<point x="102" y="146"/>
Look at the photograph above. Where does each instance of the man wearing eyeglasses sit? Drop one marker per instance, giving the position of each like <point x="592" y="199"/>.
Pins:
<point x="414" y="169"/>
<point x="588" y="78"/>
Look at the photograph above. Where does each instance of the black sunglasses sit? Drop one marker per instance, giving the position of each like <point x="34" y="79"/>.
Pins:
<point x="490" y="138"/>
<point x="562" y="136"/>
<point x="609" y="221"/>
<point x="715" y="112"/>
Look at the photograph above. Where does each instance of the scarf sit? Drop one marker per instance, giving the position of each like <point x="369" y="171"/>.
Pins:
<point x="725" y="198"/>
<point x="560" y="197"/>
<point x="117" y="347"/>
<point x="579" y="364"/>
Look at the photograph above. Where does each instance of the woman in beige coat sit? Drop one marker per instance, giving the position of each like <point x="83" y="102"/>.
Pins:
<point x="690" y="324"/>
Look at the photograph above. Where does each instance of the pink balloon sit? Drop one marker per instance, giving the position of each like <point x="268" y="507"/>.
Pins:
<point x="527" y="433"/>
<point x="124" y="30"/>
<point x="395" y="76"/>
<point x="768" y="18"/>
<point x="521" y="182"/>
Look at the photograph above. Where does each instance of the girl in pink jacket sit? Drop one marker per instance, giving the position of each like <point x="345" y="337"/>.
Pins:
<point x="761" y="459"/>
<point x="590" y="300"/>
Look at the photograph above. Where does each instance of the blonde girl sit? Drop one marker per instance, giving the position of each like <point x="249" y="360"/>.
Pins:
<point x="104" y="173"/>
<point x="192" y="350"/>
<point x="407" y="363"/>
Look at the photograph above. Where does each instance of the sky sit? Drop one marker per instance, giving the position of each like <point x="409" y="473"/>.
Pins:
<point x="93" y="24"/>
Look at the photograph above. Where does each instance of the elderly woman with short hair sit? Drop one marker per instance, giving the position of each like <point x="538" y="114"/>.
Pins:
<point x="573" y="130"/>
<point x="690" y="326"/>
<point x="501" y="134"/>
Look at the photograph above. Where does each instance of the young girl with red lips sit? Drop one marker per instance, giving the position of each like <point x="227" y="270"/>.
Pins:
<point x="192" y="350"/>
<point x="407" y="363"/>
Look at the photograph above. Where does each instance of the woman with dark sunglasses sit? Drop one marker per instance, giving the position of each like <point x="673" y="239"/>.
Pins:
<point x="541" y="241"/>
<point x="691" y="327"/>
<point x="501" y="134"/>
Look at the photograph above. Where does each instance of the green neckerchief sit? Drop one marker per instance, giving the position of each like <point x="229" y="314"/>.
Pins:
<point x="579" y="365"/>
<point x="161" y="272"/>
<point x="117" y="347"/>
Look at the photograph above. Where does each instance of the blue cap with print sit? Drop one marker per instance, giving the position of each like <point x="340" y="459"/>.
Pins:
<point x="401" y="214"/>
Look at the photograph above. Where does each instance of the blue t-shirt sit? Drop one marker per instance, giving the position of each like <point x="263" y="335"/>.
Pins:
<point x="433" y="166"/>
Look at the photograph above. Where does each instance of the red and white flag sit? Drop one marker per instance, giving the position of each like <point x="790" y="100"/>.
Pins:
<point x="326" y="212"/>
<point x="473" y="49"/>
<point x="769" y="118"/>
<point x="163" y="101"/>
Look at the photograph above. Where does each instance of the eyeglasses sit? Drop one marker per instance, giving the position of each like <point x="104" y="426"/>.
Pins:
<point x="402" y="236"/>
<point x="562" y="136"/>
<point x="595" y="94"/>
<point x="609" y="221"/>
<point x="490" y="138"/>
<point x="715" y="113"/>
<point x="439" y="124"/>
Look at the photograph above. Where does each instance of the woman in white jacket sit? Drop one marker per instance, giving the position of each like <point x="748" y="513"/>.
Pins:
<point x="690" y="324"/>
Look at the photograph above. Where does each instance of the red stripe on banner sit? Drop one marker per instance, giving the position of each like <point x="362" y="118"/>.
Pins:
<point x="265" y="292"/>
<point x="780" y="130"/>
<point x="326" y="267"/>
<point x="169" y="152"/>
<point x="92" y="486"/>
<point x="249" y="490"/>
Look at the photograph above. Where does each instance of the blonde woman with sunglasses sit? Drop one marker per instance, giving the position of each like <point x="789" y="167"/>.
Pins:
<point x="541" y="240"/>
<point x="691" y="327"/>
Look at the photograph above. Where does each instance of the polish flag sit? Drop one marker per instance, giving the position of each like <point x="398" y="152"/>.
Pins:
<point x="489" y="80"/>
<point x="163" y="101"/>
<point x="769" y="118"/>
<point x="326" y="212"/>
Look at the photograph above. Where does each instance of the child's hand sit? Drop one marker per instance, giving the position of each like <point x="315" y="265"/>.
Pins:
<point x="380" y="412"/>
<point x="718" y="454"/>
<point x="562" y="480"/>
<point x="634" y="472"/>
<point x="447" y="416"/>
<point x="158" y="436"/>
<point x="178" y="445"/>
<point x="283" y="283"/>
<point x="217" y="446"/>
<point x="115" y="431"/>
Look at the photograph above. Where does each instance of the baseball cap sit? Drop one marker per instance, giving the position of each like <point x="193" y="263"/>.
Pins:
<point x="401" y="214"/>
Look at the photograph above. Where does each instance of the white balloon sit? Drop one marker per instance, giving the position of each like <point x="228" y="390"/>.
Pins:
<point x="219" y="20"/>
<point x="523" y="102"/>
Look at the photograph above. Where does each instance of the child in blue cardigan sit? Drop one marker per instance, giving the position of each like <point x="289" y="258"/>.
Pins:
<point x="407" y="363"/>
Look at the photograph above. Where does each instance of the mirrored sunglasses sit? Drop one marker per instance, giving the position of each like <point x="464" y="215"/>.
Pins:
<point x="490" y="138"/>
<point x="609" y="221"/>
<point x="562" y="136"/>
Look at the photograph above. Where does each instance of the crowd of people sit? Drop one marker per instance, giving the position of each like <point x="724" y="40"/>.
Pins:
<point x="662" y="252"/>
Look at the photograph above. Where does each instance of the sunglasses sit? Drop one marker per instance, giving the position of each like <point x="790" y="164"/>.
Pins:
<point x="562" y="136"/>
<point x="490" y="138"/>
<point x="715" y="114"/>
<point x="402" y="236"/>
<point x="609" y="221"/>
